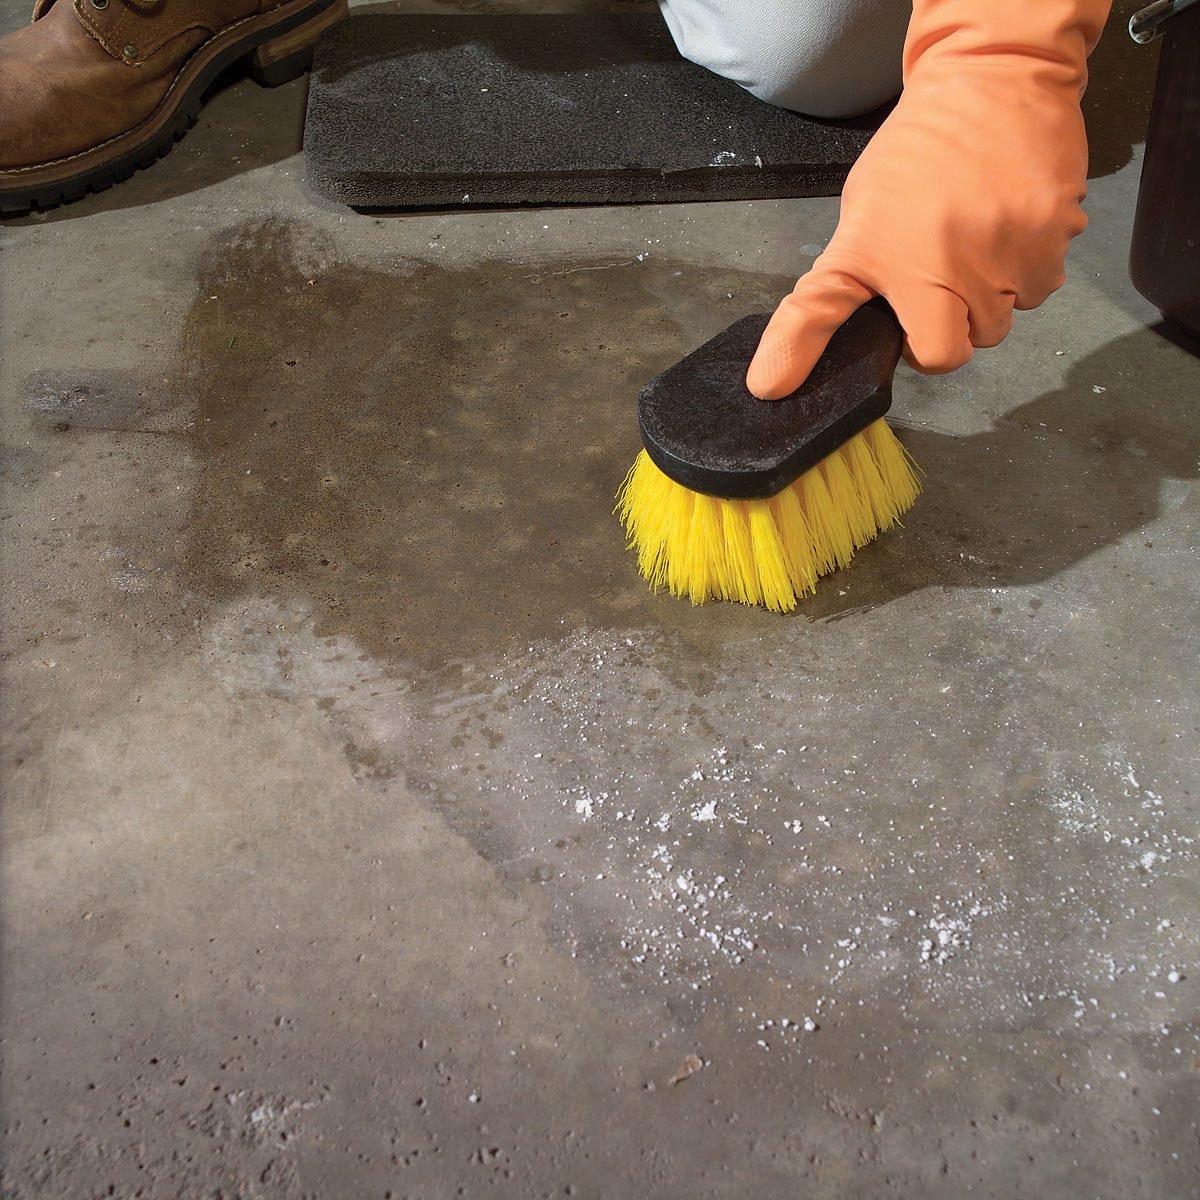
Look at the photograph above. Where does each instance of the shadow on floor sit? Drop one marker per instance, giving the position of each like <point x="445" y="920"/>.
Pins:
<point x="1056" y="480"/>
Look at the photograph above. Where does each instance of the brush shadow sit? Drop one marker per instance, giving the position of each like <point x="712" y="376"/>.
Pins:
<point x="1054" y="482"/>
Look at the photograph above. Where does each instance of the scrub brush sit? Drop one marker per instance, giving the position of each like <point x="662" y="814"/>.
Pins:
<point x="736" y="498"/>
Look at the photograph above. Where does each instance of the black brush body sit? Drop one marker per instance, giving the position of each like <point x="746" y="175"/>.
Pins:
<point x="703" y="428"/>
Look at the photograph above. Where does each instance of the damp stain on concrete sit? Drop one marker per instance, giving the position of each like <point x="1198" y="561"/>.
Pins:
<point x="430" y="452"/>
<point x="435" y="472"/>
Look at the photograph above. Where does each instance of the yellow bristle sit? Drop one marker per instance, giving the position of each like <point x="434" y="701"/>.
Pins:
<point x="797" y="540"/>
<point x="675" y="568"/>
<point x="872" y="488"/>
<point x="739" y="579"/>
<point x="900" y="474"/>
<point x="848" y="507"/>
<point x="773" y="583"/>
<point x="704" y="552"/>
<point x="768" y="552"/>
<point x="826" y="526"/>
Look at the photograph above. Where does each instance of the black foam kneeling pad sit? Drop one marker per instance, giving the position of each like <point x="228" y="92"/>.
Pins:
<point x="423" y="111"/>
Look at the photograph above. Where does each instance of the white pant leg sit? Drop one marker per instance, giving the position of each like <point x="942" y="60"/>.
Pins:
<point x="825" y="58"/>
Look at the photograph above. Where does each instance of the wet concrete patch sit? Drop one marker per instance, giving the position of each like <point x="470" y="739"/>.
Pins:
<point x="430" y="453"/>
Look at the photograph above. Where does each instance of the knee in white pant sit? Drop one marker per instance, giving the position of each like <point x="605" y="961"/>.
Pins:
<point x="824" y="58"/>
<point x="817" y="80"/>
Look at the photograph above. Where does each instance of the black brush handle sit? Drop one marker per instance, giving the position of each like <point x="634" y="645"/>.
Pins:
<point x="704" y="429"/>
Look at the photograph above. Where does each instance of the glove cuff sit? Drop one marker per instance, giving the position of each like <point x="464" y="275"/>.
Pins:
<point x="1054" y="35"/>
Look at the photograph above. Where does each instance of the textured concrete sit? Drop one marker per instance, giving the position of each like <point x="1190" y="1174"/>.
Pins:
<point x="370" y="831"/>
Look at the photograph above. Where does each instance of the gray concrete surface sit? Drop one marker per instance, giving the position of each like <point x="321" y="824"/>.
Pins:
<point x="370" y="831"/>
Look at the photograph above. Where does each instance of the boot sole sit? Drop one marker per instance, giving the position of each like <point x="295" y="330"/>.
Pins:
<point x="278" y="47"/>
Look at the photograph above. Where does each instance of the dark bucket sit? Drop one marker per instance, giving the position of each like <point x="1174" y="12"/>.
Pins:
<point x="1164" y="259"/>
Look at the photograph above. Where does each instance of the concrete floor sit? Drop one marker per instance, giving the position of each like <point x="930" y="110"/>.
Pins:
<point x="370" y="831"/>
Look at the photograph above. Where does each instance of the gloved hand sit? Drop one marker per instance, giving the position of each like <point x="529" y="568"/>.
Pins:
<point x="961" y="207"/>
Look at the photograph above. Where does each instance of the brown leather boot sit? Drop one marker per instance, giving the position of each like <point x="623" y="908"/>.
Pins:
<point x="94" y="89"/>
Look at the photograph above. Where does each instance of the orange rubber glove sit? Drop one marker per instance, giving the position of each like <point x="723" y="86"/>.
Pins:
<point x="961" y="207"/>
